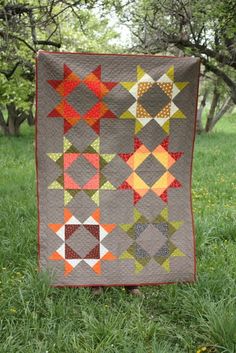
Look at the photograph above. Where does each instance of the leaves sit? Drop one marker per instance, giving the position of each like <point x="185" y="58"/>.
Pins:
<point x="56" y="24"/>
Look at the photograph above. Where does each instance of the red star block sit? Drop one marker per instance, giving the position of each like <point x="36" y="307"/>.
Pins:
<point x="99" y="88"/>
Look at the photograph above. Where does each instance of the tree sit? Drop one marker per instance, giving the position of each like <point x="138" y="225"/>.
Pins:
<point x="38" y="24"/>
<point x="189" y="27"/>
<point x="212" y="92"/>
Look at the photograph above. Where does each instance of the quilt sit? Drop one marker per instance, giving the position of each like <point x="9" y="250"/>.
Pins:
<point x="114" y="149"/>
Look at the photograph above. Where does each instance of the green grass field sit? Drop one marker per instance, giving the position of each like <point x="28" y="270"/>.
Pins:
<point x="200" y="317"/>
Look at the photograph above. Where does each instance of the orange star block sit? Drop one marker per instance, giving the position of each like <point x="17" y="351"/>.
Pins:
<point x="94" y="82"/>
<point x="135" y="159"/>
<point x="68" y="255"/>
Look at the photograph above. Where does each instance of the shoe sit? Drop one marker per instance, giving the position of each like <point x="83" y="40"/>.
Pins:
<point x="135" y="291"/>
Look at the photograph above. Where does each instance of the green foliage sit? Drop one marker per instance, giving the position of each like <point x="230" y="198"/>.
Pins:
<point x="17" y="90"/>
<point x="91" y="33"/>
<point x="76" y="28"/>
<point x="200" y="317"/>
<point x="210" y="23"/>
<point x="193" y="28"/>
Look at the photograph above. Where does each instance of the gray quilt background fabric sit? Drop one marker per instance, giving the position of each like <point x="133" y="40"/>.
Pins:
<point x="114" y="146"/>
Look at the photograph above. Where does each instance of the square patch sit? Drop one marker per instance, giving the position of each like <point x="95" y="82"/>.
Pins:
<point x="116" y="206"/>
<point x="117" y="136"/>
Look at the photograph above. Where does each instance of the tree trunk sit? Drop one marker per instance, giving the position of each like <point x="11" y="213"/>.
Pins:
<point x="14" y="120"/>
<point x="3" y="124"/>
<point x="30" y="118"/>
<point x="227" y="105"/>
<point x="199" y="127"/>
<point x="214" y="102"/>
<point x="11" y="120"/>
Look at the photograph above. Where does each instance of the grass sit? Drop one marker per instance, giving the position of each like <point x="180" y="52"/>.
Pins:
<point x="35" y="318"/>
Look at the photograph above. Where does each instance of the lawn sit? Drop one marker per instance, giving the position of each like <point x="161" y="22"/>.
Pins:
<point x="201" y="317"/>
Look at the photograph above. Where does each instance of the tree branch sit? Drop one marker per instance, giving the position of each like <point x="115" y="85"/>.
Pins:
<point x="10" y="35"/>
<point x="226" y="106"/>
<point x="48" y="42"/>
<point x="218" y="72"/>
<point x="9" y="73"/>
<point x="222" y="58"/>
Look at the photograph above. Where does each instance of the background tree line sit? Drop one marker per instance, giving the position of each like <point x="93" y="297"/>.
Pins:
<point x="175" y="27"/>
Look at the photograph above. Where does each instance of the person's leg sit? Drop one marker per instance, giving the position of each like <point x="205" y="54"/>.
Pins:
<point x="96" y="290"/>
<point x="134" y="290"/>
